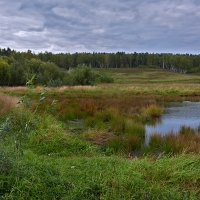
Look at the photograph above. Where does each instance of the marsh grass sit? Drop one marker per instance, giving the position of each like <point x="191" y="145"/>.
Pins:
<point x="116" y="122"/>
<point x="124" y="144"/>
<point x="185" y="130"/>
<point x="58" y="163"/>
<point x="99" y="138"/>
<point x="120" y="117"/>
<point x="152" y="111"/>
<point x="7" y="103"/>
<point x="187" y="140"/>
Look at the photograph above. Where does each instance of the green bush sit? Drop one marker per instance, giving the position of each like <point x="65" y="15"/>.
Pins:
<point x="103" y="78"/>
<point x="46" y="73"/>
<point x="82" y="75"/>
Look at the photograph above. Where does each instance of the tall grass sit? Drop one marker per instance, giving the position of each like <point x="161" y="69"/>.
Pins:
<point x="7" y="103"/>
<point x="187" y="140"/>
<point x="44" y="177"/>
<point x="152" y="111"/>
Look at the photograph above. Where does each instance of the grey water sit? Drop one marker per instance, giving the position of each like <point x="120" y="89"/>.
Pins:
<point x="175" y="116"/>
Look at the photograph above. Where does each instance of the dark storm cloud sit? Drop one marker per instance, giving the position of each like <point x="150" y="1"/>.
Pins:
<point x="101" y="25"/>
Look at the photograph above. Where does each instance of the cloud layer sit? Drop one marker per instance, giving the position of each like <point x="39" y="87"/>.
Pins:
<point x="101" y="25"/>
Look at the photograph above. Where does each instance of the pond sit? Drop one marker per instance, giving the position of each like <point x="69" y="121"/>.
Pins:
<point x="176" y="115"/>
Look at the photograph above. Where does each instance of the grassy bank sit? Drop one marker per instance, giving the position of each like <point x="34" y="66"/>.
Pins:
<point x="58" y="165"/>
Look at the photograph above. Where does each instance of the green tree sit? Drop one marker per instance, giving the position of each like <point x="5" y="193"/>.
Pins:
<point x="5" y="72"/>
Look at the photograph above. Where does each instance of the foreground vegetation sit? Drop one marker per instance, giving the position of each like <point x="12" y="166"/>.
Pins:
<point x="88" y="142"/>
<point x="51" y="163"/>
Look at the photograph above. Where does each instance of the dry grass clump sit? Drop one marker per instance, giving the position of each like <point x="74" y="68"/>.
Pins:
<point x="153" y="111"/>
<point x="98" y="137"/>
<point x="7" y="103"/>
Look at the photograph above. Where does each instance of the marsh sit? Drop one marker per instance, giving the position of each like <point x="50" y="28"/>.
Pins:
<point x="176" y="115"/>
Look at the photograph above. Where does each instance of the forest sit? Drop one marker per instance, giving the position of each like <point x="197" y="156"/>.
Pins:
<point x="53" y="69"/>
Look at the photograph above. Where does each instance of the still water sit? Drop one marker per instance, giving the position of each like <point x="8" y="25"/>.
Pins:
<point x="176" y="115"/>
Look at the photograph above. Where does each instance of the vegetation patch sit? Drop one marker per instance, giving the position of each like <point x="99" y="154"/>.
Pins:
<point x="85" y="142"/>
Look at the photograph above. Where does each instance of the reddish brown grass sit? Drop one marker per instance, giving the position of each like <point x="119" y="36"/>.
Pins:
<point x="7" y="103"/>
<point x="177" y="143"/>
<point x="98" y="138"/>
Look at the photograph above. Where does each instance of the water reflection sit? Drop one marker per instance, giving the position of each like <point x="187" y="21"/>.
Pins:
<point x="176" y="115"/>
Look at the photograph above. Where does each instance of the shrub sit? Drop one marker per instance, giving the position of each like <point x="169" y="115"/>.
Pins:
<point x="45" y="72"/>
<point x="82" y="75"/>
<point x="55" y="83"/>
<point x="103" y="78"/>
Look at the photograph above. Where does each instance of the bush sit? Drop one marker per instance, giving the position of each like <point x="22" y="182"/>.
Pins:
<point x="103" y="78"/>
<point x="55" y="83"/>
<point x="46" y="73"/>
<point x="82" y="75"/>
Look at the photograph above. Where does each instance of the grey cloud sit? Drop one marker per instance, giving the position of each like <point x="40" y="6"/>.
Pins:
<point x="101" y="25"/>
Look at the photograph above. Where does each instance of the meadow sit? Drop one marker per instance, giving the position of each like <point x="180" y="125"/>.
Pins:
<point x="87" y="142"/>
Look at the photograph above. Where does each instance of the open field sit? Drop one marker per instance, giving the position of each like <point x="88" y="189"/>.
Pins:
<point x="150" y="75"/>
<point x="135" y="81"/>
<point x="87" y="142"/>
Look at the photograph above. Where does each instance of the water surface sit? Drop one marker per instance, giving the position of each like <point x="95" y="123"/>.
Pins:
<point x="176" y="115"/>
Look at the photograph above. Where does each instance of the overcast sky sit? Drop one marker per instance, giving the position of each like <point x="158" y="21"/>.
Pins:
<point x="101" y="25"/>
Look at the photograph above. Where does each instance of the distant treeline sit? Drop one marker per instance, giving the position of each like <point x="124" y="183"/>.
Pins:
<point x="16" y="67"/>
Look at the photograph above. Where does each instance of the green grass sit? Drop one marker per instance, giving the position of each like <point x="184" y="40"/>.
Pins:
<point x="150" y="75"/>
<point x="138" y="81"/>
<point x="46" y="177"/>
<point x="58" y="165"/>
